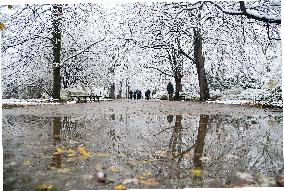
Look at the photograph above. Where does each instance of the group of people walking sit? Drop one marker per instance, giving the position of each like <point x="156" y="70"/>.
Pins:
<point x="137" y="94"/>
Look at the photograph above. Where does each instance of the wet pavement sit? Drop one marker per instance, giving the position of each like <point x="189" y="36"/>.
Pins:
<point x="140" y="144"/>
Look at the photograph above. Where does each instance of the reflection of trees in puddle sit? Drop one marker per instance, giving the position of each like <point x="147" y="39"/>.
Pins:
<point x="69" y="127"/>
<point x="64" y="130"/>
<point x="227" y="145"/>
<point x="178" y="154"/>
<point x="56" y="159"/>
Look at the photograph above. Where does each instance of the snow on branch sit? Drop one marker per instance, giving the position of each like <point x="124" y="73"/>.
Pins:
<point x="82" y="51"/>
<point x="248" y="13"/>
<point x="163" y="72"/>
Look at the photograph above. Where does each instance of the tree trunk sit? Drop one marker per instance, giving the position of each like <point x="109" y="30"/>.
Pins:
<point x="112" y="90"/>
<point x="203" y="86"/>
<point x="178" y="87"/>
<point x="57" y="12"/>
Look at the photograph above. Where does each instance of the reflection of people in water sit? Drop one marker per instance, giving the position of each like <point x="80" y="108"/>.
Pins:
<point x="170" y="118"/>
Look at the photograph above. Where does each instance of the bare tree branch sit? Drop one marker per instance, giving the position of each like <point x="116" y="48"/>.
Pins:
<point x="82" y="51"/>
<point x="247" y="13"/>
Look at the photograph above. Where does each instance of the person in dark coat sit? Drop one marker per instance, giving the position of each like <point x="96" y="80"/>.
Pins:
<point x="130" y="94"/>
<point x="170" y="89"/>
<point x="139" y="94"/>
<point x="147" y="94"/>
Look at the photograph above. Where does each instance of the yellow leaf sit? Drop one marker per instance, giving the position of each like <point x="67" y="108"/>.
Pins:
<point x="196" y="172"/>
<point x="120" y="187"/>
<point x="147" y="173"/>
<point x="70" y="153"/>
<point x="44" y="187"/>
<point x="59" y="150"/>
<point x="150" y="182"/>
<point x="141" y="177"/>
<point x="83" y="151"/>
<point x="64" y="170"/>
<point x="28" y="162"/>
<point x="2" y="26"/>
<point x="114" y="169"/>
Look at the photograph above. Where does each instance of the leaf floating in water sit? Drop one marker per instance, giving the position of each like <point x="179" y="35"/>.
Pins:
<point x="83" y="151"/>
<point x="150" y="182"/>
<point x="114" y="169"/>
<point x="147" y="173"/>
<point x="129" y="181"/>
<point x="45" y="187"/>
<point x="70" y="153"/>
<point x="2" y="26"/>
<point x="59" y="150"/>
<point x="28" y="162"/>
<point x="196" y="172"/>
<point x="64" y="170"/>
<point x="120" y="187"/>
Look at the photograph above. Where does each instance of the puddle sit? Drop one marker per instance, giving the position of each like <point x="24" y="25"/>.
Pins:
<point x="140" y="151"/>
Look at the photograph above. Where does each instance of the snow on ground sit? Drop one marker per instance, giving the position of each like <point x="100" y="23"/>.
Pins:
<point x="27" y="101"/>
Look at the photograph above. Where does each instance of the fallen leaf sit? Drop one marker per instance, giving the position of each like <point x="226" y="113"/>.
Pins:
<point x="70" y="153"/>
<point x="44" y="187"/>
<point x="2" y="26"/>
<point x="28" y="162"/>
<point x="120" y="187"/>
<point x="58" y="150"/>
<point x="150" y="182"/>
<point x="196" y="172"/>
<point x="83" y="151"/>
<point x="64" y="170"/>
<point x="147" y="173"/>
<point x="114" y="169"/>
<point x="132" y="180"/>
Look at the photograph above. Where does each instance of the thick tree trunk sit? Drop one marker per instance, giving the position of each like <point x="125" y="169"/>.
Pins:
<point x="178" y="87"/>
<point x="57" y="12"/>
<point x="203" y="86"/>
<point x="112" y="90"/>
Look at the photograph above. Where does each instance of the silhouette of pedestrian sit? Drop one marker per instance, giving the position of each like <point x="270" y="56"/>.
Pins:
<point x="170" y="90"/>
<point x="135" y="94"/>
<point x="147" y="94"/>
<point x="130" y="94"/>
